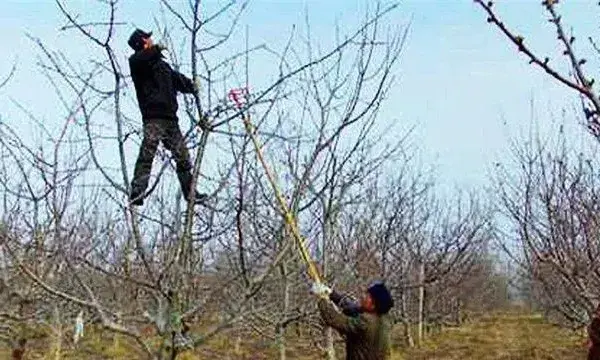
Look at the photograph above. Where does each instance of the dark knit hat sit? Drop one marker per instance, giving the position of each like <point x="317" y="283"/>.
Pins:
<point x="136" y="40"/>
<point x="381" y="297"/>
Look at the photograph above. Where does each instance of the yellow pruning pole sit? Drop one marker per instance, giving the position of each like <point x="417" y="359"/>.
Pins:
<point x="312" y="269"/>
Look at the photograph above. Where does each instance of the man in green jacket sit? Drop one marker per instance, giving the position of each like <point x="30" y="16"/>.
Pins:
<point x="364" y="325"/>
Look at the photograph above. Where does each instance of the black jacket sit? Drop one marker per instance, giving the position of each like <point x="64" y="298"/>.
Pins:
<point x="156" y="84"/>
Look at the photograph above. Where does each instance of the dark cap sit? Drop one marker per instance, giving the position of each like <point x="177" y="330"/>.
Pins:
<point x="381" y="297"/>
<point x="136" y="40"/>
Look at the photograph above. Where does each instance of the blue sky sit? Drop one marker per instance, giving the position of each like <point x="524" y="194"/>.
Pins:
<point x="459" y="81"/>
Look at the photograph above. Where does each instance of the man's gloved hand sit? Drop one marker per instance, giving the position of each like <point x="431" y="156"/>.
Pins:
<point x="160" y="46"/>
<point x="321" y="290"/>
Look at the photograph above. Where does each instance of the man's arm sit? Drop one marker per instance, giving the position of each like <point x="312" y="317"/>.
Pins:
<point x="342" y="323"/>
<point x="182" y="83"/>
<point x="348" y="305"/>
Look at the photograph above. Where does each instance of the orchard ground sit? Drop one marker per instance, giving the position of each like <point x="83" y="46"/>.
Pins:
<point x="505" y="335"/>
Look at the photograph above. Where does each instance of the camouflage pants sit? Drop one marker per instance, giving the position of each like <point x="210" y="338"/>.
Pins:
<point x="166" y="131"/>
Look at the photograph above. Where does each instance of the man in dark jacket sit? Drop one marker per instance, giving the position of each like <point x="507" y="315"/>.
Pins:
<point x="156" y="86"/>
<point x="364" y="325"/>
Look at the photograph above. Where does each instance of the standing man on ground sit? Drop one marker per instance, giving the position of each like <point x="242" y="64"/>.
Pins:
<point x="364" y="325"/>
<point x="156" y="87"/>
<point x="593" y="331"/>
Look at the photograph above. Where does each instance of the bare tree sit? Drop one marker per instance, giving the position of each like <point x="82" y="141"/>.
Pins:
<point x="326" y="129"/>
<point x="167" y="279"/>
<point x="550" y="201"/>
<point x="79" y="247"/>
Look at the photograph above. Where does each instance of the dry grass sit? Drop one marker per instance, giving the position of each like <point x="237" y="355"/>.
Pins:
<point x="498" y="337"/>
<point x="501" y="337"/>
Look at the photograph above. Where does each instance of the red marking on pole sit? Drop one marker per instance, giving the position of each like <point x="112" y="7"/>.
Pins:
<point x="235" y="94"/>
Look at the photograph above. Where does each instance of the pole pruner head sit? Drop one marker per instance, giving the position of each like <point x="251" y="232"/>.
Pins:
<point x="239" y="96"/>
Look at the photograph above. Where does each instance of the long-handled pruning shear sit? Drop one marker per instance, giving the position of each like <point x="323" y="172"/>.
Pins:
<point x="237" y="96"/>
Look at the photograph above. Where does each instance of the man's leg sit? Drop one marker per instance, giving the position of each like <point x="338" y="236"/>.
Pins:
<point x="143" y="165"/>
<point x="175" y="143"/>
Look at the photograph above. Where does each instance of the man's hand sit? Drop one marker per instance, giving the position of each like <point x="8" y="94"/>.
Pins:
<point x="160" y="47"/>
<point x="321" y="290"/>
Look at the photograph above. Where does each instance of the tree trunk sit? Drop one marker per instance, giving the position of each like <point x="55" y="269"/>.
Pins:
<point x="329" y="344"/>
<point x="405" y="321"/>
<point x="286" y="308"/>
<point x="58" y="334"/>
<point x="238" y="346"/>
<point x="421" y="302"/>
<point x="328" y="232"/>
<point x="281" y="343"/>
<point x="458" y="312"/>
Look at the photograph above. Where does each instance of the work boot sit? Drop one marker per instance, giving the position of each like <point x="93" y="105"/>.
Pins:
<point x="185" y="180"/>
<point x="199" y="198"/>
<point x="136" y="199"/>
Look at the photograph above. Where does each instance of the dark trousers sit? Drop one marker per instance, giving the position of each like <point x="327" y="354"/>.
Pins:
<point x="594" y="352"/>
<point x="166" y="131"/>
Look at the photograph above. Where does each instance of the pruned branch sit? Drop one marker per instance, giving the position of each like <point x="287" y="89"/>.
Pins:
<point x="580" y="84"/>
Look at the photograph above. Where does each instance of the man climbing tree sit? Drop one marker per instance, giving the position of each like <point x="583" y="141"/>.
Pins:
<point x="156" y="87"/>
<point x="364" y="326"/>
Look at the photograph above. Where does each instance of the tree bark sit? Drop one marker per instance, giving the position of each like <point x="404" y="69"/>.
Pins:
<point x="286" y="305"/>
<point x="421" y="301"/>
<point x="405" y="321"/>
<point x="328" y="231"/>
<point x="57" y="334"/>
